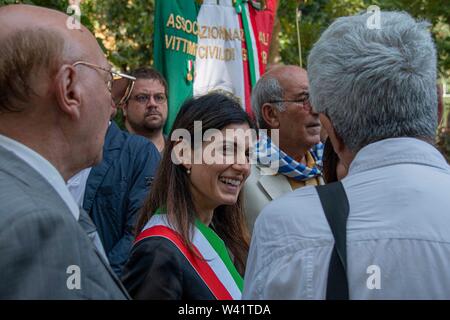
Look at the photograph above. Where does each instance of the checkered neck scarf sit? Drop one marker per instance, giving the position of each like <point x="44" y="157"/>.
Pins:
<point x="268" y="153"/>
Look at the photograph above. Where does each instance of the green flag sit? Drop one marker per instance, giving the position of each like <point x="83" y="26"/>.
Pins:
<point x="175" y="50"/>
<point x="216" y="46"/>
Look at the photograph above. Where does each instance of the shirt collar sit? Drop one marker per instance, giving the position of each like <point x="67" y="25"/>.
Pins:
<point x="395" y="151"/>
<point x="44" y="168"/>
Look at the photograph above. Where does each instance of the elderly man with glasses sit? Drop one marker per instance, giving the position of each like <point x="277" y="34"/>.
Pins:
<point x="112" y="192"/>
<point x="54" y="110"/>
<point x="290" y="152"/>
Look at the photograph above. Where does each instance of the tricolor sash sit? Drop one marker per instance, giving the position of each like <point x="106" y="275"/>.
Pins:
<point x="211" y="261"/>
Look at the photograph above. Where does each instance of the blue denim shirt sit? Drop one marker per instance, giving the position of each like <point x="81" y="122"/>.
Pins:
<point x="116" y="189"/>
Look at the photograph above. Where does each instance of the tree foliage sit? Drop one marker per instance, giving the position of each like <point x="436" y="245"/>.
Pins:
<point x="318" y="14"/>
<point x="125" y="28"/>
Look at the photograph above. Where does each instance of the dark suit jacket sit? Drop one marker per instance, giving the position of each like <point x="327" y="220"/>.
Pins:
<point x="116" y="188"/>
<point x="40" y="241"/>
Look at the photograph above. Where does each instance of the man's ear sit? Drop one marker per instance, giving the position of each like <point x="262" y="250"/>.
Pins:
<point x="345" y="155"/>
<point x="335" y="138"/>
<point x="124" y="107"/>
<point x="270" y="114"/>
<point x="68" y="91"/>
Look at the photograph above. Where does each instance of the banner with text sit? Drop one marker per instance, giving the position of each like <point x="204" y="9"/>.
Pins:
<point x="220" y="45"/>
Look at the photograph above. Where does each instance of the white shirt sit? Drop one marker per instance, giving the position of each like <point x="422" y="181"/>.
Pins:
<point x="399" y="221"/>
<point x="44" y="168"/>
<point x="77" y="185"/>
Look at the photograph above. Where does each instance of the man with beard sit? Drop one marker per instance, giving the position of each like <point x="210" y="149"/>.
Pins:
<point x="145" y="112"/>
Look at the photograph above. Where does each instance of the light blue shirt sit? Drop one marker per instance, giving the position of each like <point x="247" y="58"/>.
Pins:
<point x="398" y="231"/>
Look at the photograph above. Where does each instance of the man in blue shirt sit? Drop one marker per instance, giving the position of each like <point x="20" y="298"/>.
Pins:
<point x="113" y="191"/>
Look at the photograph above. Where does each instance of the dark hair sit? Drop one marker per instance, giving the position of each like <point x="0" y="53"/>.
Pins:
<point x="152" y="74"/>
<point x="330" y="162"/>
<point x="171" y="188"/>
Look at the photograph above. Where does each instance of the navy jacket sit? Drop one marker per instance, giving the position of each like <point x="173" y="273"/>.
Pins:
<point x="116" y="189"/>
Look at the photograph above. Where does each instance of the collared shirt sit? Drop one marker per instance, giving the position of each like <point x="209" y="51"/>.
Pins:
<point x="77" y="188"/>
<point x="77" y="185"/>
<point x="398" y="231"/>
<point x="44" y="168"/>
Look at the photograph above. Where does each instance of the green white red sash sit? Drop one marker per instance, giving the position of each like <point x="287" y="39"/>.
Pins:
<point x="213" y="264"/>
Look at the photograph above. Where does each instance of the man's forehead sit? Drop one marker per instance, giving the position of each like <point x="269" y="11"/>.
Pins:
<point x="291" y="73"/>
<point x="290" y="76"/>
<point x="19" y="17"/>
<point x="149" y="85"/>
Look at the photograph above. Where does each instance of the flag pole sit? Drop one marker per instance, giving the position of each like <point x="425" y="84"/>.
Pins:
<point x="297" y="19"/>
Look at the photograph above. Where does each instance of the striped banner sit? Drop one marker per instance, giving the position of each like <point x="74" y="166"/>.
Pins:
<point x="220" y="45"/>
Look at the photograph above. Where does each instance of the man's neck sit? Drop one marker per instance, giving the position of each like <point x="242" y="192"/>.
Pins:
<point x="53" y="143"/>
<point x="296" y="153"/>
<point x="159" y="141"/>
<point x="48" y="152"/>
<point x="155" y="136"/>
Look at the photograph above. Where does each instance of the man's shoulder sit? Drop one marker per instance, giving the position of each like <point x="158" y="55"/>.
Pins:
<point x="17" y="194"/>
<point x="257" y="172"/>
<point x="139" y="144"/>
<point x="287" y="204"/>
<point x="131" y="144"/>
<point x="117" y="135"/>
<point x="298" y="212"/>
<point x="26" y="204"/>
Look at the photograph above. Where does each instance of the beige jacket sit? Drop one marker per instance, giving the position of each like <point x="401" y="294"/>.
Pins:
<point x="260" y="189"/>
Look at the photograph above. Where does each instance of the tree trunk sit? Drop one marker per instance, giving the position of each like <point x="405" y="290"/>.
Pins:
<point x="274" y="50"/>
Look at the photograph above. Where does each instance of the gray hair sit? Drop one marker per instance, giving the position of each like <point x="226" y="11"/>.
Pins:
<point x="23" y="54"/>
<point x="375" y="84"/>
<point x="266" y="89"/>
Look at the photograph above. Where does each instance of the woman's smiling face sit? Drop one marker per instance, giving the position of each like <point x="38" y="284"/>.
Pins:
<point x="220" y="182"/>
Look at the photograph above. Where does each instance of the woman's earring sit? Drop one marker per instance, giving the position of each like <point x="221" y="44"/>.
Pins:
<point x="188" y="171"/>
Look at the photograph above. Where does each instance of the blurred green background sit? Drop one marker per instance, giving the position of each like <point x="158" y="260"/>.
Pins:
<point x="124" y="29"/>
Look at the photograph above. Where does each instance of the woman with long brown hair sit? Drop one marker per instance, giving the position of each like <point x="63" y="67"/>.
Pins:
<point x="192" y="239"/>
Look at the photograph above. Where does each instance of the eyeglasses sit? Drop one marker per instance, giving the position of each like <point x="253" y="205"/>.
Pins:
<point x="303" y="101"/>
<point x="143" y="99"/>
<point x="115" y="77"/>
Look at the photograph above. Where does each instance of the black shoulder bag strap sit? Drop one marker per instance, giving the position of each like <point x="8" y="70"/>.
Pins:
<point x="335" y="204"/>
